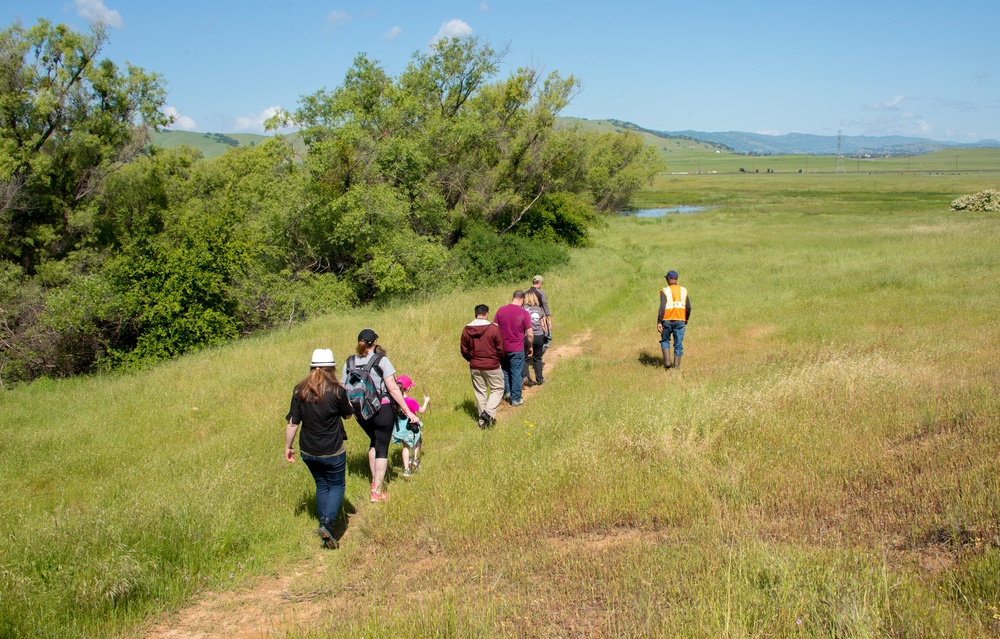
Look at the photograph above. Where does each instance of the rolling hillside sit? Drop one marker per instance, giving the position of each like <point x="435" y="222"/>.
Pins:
<point x="212" y="144"/>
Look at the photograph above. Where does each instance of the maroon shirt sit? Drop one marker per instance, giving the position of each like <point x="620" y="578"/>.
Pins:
<point x="513" y="321"/>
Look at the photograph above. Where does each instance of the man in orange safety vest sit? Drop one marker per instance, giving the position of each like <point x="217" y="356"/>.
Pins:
<point x="672" y="319"/>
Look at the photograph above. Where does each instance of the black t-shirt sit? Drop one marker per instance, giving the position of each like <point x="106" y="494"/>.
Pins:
<point x="322" y="433"/>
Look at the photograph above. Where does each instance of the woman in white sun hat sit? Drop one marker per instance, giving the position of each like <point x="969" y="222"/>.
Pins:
<point x="319" y="407"/>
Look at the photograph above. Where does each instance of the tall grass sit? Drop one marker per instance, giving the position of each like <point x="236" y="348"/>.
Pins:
<point x="824" y="464"/>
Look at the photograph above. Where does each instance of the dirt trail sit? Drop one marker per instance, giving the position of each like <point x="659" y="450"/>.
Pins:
<point x="273" y="605"/>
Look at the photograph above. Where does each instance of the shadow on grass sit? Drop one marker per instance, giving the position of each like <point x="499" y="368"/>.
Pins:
<point x="648" y="359"/>
<point x="307" y="505"/>
<point x="469" y="407"/>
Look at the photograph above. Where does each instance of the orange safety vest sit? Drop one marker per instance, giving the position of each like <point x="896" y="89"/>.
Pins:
<point x="676" y="308"/>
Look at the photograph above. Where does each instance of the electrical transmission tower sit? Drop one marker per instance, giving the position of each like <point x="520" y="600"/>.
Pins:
<point x="840" y="153"/>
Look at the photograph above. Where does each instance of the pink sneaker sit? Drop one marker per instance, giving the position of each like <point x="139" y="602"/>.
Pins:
<point x="379" y="496"/>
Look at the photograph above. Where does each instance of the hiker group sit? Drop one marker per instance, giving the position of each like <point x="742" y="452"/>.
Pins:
<point x="503" y="355"/>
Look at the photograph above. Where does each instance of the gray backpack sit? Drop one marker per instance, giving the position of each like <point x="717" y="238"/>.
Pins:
<point x="362" y="390"/>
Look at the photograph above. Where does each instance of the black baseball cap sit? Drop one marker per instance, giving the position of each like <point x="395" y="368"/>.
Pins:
<point x="367" y="335"/>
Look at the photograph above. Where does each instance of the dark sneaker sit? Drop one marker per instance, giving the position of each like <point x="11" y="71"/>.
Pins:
<point x="484" y="420"/>
<point x="329" y="541"/>
<point x="506" y="397"/>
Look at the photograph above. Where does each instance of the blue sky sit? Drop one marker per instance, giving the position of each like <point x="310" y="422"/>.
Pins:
<point x="878" y="67"/>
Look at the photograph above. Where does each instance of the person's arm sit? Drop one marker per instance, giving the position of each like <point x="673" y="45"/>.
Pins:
<point x="290" y="431"/>
<point x="397" y="395"/>
<point x="659" y="313"/>
<point x="466" y="346"/>
<point x="423" y="409"/>
<point x="498" y="342"/>
<point x="529" y="333"/>
<point x="687" y="310"/>
<point x="344" y="405"/>
<point x="545" y="307"/>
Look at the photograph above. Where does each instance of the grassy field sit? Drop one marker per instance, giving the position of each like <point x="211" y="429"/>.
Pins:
<point x="825" y="464"/>
<point x="950" y="161"/>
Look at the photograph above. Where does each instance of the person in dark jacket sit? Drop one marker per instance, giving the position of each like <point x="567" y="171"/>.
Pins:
<point x="483" y="347"/>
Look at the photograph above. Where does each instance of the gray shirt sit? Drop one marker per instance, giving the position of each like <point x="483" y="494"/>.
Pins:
<point x="542" y="300"/>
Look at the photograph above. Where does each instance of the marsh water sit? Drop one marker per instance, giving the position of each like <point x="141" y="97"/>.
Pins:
<point x="680" y="209"/>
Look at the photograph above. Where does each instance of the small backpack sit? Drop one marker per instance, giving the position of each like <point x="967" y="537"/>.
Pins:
<point x="363" y="393"/>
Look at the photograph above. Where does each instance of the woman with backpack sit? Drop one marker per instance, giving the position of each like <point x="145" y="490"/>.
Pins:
<point x="370" y="380"/>
<point x="319" y="407"/>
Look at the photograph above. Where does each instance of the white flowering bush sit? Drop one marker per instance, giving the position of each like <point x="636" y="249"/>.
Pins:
<point x="988" y="200"/>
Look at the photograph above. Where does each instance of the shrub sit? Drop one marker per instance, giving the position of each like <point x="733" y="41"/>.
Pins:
<point x="988" y="200"/>
<point x="560" y="218"/>
<point x="485" y="257"/>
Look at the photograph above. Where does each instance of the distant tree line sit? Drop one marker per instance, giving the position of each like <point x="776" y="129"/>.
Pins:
<point x="114" y="253"/>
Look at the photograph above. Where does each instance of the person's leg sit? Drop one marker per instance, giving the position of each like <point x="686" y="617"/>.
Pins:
<point x="480" y="388"/>
<point x="516" y="364"/>
<point x="330" y="476"/>
<point x="538" y="346"/>
<point x="665" y="344"/>
<point x="406" y="460"/>
<point x="528" y="365"/>
<point x="371" y="463"/>
<point x="505" y="367"/>
<point x="679" y="329"/>
<point x="494" y="380"/>
<point x="368" y="426"/>
<point x="383" y="434"/>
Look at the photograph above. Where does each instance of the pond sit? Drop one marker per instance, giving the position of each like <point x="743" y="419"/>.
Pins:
<point x="680" y="209"/>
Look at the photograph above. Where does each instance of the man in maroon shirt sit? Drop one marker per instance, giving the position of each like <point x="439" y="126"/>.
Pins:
<point x="515" y="326"/>
<point x="483" y="347"/>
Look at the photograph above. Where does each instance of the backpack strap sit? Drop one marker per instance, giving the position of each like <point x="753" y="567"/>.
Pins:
<point x="373" y="364"/>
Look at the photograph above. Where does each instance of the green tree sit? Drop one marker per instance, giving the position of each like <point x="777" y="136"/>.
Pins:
<point x="68" y="119"/>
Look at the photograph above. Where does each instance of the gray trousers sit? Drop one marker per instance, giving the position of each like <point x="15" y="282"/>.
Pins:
<point x="489" y="389"/>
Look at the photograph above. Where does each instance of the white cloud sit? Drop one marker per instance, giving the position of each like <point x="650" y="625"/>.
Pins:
<point x="484" y="6"/>
<point x="770" y="132"/>
<point x="254" y="123"/>
<point x="392" y="33"/>
<point x="903" y="123"/>
<point x="894" y="118"/>
<point x="452" y="29"/>
<point x="181" y="122"/>
<point x="894" y="104"/>
<point x="96" y="11"/>
<point x="336" y="18"/>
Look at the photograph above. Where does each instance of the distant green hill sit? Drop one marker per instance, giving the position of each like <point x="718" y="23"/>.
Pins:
<point x="213" y="144"/>
<point x="671" y="149"/>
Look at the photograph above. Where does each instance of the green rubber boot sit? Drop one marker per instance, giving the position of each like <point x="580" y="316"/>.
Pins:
<point x="666" y="358"/>
<point x="677" y="362"/>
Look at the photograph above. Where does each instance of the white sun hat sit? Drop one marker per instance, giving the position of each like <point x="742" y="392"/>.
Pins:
<point x="322" y="357"/>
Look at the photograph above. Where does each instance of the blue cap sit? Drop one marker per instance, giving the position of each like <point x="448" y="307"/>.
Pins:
<point x="671" y="275"/>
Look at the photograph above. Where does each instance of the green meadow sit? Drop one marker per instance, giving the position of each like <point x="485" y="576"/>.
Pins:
<point x="826" y="463"/>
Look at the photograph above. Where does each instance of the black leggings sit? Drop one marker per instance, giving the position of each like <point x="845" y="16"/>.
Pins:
<point x="379" y="429"/>
<point x="534" y="362"/>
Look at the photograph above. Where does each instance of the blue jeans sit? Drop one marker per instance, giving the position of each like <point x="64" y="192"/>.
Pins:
<point x="330" y="474"/>
<point x="512" y="365"/>
<point x="675" y="328"/>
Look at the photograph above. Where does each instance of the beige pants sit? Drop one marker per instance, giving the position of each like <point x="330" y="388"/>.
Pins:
<point x="489" y="389"/>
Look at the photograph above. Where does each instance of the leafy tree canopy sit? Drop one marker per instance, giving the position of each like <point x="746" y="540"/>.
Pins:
<point x="68" y="118"/>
